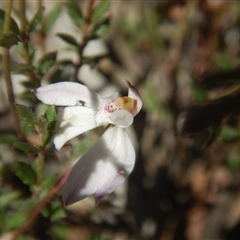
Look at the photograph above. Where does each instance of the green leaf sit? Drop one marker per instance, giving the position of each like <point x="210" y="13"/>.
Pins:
<point x="50" y="114"/>
<point x="74" y="12"/>
<point x="228" y="133"/>
<point x="51" y="18"/>
<point x="26" y="147"/>
<point x="59" y="232"/>
<point x="68" y="38"/>
<point x="13" y="25"/>
<point x="199" y="93"/>
<point x="25" y="205"/>
<point x="54" y="211"/>
<point x="100" y="9"/>
<point x="35" y="21"/>
<point x="2" y="166"/>
<point x="221" y="60"/>
<point x="233" y="161"/>
<point x="47" y="184"/>
<point x="93" y="60"/>
<point x="7" y="198"/>
<point x="3" y="218"/>
<point x="8" y="39"/>
<point x="27" y="84"/>
<point x="26" y="129"/>
<point x="41" y="125"/>
<point x="65" y="63"/>
<point x="25" y="173"/>
<point x="101" y="28"/>
<point x="27" y="114"/>
<point x="8" y="139"/>
<point x="59" y="74"/>
<point x="46" y="62"/>
<point x="27" y="95"/>
<point x="58" y="214"/>
<point x="51" y="117"/>
<point x="21" y="50"/>
<point x="15" y="221"/>
<point x="22" y="69"/>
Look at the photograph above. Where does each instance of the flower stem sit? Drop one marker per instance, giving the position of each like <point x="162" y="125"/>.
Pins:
<point x="7" y="75"/>
<point x="40" y="162"/>
<point x="30" y="219"/>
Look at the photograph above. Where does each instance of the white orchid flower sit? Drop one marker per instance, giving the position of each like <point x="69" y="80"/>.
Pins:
<point x="109" y="162"/>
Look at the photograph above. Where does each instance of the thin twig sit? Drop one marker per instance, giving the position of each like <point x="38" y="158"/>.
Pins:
<point x="22" y="15"/>
<point x="7" y="75"/>
<point x="40" y="161"/>
<point x="32" y="216"/>
<point x="88" y="17"/>
<point x="39" y="4"/>
<point x="7" y="19"/>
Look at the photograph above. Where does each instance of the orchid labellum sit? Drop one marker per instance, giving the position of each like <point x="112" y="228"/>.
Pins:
<point x="109" y="162"/>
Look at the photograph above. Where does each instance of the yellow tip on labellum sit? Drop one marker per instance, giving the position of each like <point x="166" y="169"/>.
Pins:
<point x="125" y="103"/>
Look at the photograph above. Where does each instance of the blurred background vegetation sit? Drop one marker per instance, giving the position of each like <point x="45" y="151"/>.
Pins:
<point x="183" y="56"/>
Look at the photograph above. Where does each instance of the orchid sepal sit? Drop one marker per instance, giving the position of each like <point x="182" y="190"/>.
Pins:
<point x="68" y="94"/>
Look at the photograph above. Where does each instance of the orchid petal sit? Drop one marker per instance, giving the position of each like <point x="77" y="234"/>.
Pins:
<point x="122" y="118"/>
<point x="68" y="94"/>
<point x="102" y="169"/>
<point x="73" y="121"/>
<point x="134" y="94"/>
